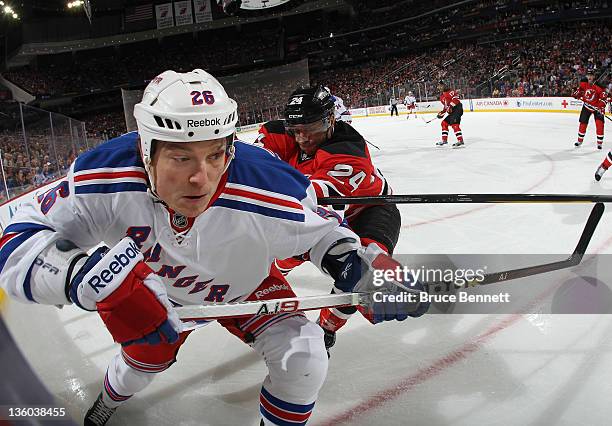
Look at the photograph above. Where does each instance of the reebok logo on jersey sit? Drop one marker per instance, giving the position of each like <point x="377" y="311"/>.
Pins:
<point x="204" y="123"/>
<point x="274" y="287"/>
<point x="117" y="262"/>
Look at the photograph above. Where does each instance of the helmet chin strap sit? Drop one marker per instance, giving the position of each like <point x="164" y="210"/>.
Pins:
<point x="151" y="189"/>
<point x="231" y="153"/>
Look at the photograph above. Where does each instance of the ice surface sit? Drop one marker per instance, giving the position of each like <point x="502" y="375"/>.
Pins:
<point x="522" y="369"/>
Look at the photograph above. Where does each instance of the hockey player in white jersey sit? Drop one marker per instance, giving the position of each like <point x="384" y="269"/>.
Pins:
<point x="341" y="112"/>
<point x="410" y="102"/>
<point x="191" y="217"/>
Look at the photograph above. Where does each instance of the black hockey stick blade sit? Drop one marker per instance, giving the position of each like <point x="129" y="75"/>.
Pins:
<point x="589" y="230"/>
<point x="466" y="199"/>
<point x="574" y="259"/>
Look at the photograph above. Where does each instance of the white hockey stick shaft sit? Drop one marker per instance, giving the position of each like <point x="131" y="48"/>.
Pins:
<point x="278" y="306"/>
<point x="267" y="307"/>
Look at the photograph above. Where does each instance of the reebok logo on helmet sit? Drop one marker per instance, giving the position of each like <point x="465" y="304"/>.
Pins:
<point x="204" y="123"/>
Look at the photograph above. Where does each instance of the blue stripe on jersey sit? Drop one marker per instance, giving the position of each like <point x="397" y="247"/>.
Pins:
<point x="14" y="243"/>
<point x="287" y="406"/>
<point x="118" y="152"/>
<point x="27" y="230"/>
<point x="254" y="208"/>
<point x="256" y="167"/>
<point x="107" y="188"/>
<point x="25" y="226"/>
<point x="27" y="285"/>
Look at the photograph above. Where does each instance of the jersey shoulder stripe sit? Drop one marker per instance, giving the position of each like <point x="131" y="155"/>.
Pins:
<point x="259" y="209"/>
<point x="116" y="153"/>
<point x="109" y="180"/>
<point x="258" y="169"/>
<point x="110" y="188"/>
<point x="242" y="197"/>
<point x="114" y="166"/>
<point x="14" y="236"/>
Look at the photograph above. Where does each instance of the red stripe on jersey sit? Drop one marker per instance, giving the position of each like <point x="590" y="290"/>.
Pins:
<point x="261" y="197"/>
<point x="220" y="189"/>
<point x="110" y="175"/>
<point x="285" y="415"/>
<point x="6" y="238"/>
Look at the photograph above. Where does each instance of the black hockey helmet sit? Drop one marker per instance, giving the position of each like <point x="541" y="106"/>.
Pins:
<point x="307" y="105"/>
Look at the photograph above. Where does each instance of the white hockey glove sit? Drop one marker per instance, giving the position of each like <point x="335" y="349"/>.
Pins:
<point x="354" y="270"/>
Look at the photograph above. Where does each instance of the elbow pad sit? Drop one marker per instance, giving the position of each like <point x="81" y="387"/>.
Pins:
<point x="53" y="270"/>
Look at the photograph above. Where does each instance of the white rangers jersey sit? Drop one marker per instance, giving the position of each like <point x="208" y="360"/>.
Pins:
<point x="410" y="100"/>
<point x="263" y="209"/>
<point x="341" y="112"/>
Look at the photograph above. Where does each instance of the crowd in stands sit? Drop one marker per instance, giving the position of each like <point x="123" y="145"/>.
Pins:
<point x="90" y="75"/>
<point x="548" y="65"/>
<point x="104" y="126"/>
<point x="514" y="54"/>
<point x="34" y="161"/>
<point x="36" y="147"/>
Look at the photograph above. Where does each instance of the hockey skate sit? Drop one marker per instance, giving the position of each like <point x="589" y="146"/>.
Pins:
<point x="441" y="143"/>
<point x="98" y="414"/>
<point x="329" y="337"/>
<point x="458" y="144"/>
<point x="577" y="144"/>
<point x="599" y="173"/>
<point x="599" y="146"/>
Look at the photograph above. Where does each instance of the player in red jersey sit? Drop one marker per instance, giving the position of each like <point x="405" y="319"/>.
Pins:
<point x="605" y="165"/>
<point x="595" y="99"/>
<point x="336" y="159"/>
<point x="453" y="107"/>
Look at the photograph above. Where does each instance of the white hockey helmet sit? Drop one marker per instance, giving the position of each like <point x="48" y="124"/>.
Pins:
<point x="410" y="93"/>
<point x="184" y="107"/>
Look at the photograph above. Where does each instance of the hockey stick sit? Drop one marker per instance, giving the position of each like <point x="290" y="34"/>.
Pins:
<point x="280" y="306"/>
<point x="602" y="113"/>
<point x="465" y="198"/>
<point x="370" y="143"/>
<point x="429" y="121"/>
<point x="267" y="307"/>
<point x="574" y="259"/>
